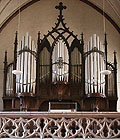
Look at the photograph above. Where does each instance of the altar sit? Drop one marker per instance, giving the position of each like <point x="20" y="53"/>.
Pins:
<point x="62" y="107"/>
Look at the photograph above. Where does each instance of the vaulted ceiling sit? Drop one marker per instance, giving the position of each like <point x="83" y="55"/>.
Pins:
<point x="9" y="7"/>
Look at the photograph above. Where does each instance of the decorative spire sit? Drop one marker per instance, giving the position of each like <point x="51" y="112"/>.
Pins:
<point x="105" y="39"/>
<point x="82" y="41"/>
<point x="15" y="46"/>
<point x="5" y="74"/>
<point x="115" y="59"/>
<point x="82" y="36"/>
<point x="38" y="42"/>
<point x="16" y="42"/>
<point x="39" y="37"/>
<point x="60" y="7"/>
<point x="5" y="59"/>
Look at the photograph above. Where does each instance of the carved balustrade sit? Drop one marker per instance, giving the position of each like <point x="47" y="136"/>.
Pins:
<point x="60" y="125"/>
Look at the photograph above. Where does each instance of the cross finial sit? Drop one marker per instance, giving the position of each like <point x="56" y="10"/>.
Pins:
<point x="60" y="7"/>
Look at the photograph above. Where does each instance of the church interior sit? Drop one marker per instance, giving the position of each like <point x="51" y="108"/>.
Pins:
<point x="60" y="69"/>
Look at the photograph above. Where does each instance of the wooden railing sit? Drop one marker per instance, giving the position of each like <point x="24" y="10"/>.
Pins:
<point x="60" y="125"/>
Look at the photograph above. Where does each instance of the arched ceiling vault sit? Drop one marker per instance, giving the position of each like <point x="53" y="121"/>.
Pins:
<point x="10" y="8"/>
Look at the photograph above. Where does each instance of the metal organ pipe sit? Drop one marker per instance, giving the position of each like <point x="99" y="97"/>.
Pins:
<point x="94" y="40"/>
<point x="24" y="67"/>
<point x="92" y="74"/>
<point x="29" y="66"/>
<point x="89" y="66"/>
<point x="86" y="67"/>
<point x="26" y="40"/>
<point x="95" y="72"/>
<point x="20" y="68"/>
<point x="32" y="73"/>
<point x="86" y="72"/>
<point x="63" y="58"/>
<point x="98" y="66"/>
<point x="34" y="70"/>
<point x="30" y="62"/>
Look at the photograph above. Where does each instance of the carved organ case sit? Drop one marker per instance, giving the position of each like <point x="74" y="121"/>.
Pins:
<point x="60" y="68"/>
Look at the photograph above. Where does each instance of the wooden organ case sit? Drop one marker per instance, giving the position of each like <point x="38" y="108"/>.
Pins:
<point x="60" y="68"/>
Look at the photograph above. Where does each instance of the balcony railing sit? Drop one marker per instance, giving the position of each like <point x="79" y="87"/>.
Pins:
<point x="60" y="125"/>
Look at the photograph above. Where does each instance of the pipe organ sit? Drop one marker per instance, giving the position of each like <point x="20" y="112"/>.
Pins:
<point x="60" y="68"/>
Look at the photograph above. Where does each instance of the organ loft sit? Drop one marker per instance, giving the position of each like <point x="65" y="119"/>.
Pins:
<point x="62" y="71"/>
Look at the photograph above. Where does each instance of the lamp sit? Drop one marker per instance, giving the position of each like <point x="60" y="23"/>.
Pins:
<point x="105" y="72"/>
<point x="17" y="72"/>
